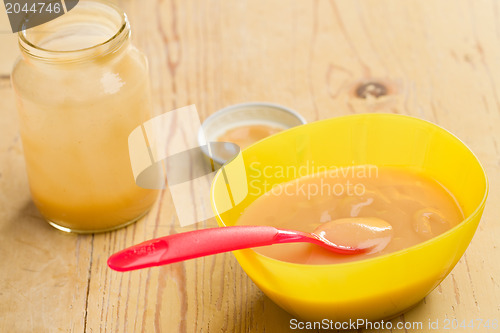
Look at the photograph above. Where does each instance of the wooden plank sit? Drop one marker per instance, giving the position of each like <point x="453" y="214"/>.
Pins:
<point x="43" y="272"/>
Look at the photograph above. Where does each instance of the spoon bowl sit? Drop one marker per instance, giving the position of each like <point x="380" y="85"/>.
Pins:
<point x="356" y="234"/>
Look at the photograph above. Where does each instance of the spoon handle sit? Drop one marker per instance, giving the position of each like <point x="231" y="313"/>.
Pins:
<point x="198" y="243"/>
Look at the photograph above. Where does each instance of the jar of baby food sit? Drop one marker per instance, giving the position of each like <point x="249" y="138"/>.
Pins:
<point x="81" y="88"/>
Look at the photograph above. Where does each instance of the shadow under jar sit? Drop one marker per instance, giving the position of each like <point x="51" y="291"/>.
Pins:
<point x="81" y="88"/>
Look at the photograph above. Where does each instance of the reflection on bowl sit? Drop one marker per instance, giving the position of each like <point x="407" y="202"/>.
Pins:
<point x="376" y="288"/>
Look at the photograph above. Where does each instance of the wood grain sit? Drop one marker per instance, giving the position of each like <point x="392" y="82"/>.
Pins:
<point x="440" y="60"/>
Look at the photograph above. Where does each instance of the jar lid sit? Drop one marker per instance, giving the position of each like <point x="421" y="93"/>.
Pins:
<point x="244" y="114"/>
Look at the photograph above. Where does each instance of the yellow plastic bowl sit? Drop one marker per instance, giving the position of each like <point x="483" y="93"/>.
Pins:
<point x="377" y="288"/>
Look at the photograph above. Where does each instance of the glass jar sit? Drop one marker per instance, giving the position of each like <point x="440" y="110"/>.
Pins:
<point x="81" y="88"/>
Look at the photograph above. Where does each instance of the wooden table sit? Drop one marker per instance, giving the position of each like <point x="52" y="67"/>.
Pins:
<point x="440" y="58"/>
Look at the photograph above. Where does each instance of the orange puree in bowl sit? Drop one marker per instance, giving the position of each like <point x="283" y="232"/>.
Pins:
<point x="416" y="206"/>
<point x="244" y="136"/>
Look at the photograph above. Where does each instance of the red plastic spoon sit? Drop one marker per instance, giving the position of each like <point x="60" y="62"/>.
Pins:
<point x="345" y="236"/>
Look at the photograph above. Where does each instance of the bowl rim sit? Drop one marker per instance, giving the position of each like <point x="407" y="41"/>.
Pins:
<point x="372" y="260"/>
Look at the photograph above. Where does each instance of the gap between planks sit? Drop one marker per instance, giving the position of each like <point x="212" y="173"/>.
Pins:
<point x="89" y="272"/>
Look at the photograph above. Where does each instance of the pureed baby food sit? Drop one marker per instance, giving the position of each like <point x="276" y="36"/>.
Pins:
<point x="417" y="207"/>
<point x="244" y="136"/>
<point x="81" y="88"/>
